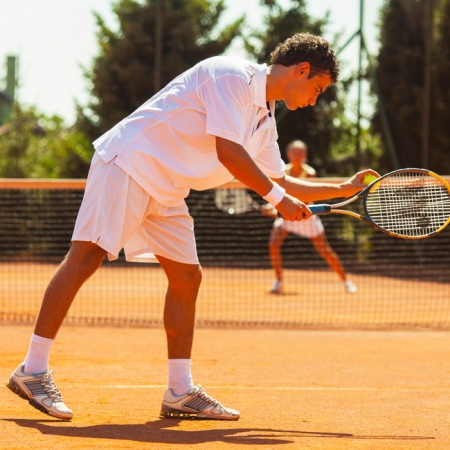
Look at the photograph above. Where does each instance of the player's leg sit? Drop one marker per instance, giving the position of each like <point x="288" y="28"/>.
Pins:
<point x="179" y="310"/>
<point x="32" y="380"/>
<point x="102" y="214"/>
<point x="328" y="254"/>
<point x="82" y="260"/>
<point x="182" y="399"/>
<point x="323" y="247"/>
<point x="168" y="233"/>
<point x="277" y="237"/>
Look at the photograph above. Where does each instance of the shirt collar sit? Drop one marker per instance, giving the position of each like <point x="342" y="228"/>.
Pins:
<point x="261" y="80"/>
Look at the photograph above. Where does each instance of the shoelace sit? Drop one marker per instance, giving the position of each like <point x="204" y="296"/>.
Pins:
<point x="202" y="394"/>
<point x="50" y="388"/>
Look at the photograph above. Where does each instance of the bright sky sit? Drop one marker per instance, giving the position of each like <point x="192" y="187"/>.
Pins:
<point x="55" y="39"/>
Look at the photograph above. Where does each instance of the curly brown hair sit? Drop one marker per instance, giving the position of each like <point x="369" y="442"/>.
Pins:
<point x="305" y="47"/>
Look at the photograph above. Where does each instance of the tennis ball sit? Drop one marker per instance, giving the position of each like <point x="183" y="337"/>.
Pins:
<point x="368" y="179"/>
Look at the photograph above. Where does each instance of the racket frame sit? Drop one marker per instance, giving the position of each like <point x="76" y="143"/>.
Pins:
<point x="322" y="209"/>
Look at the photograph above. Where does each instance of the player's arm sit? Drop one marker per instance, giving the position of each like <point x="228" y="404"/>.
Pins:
<point x="239" y="163"/>
<point x="310" y="172"/>
<point x="309" y="191"/>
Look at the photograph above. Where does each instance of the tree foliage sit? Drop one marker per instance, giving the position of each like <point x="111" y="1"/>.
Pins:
<point x="123" y="74"/>
<point x="440" y="112"/>
<point x="400" y="72"/>
<point x="324" y="128"/>
<point x="34" y="145"/>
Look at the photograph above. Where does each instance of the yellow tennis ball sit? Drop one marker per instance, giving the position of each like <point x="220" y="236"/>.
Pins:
<point x="368" y="179"/>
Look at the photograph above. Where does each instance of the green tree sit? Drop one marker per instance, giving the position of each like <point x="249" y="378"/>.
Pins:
<point x="400" y="72"/>
<point x="123" y="74"/>
<point x="325" y="127"/>
<point x="400" y="75"/>
<point x="34" y="145"/>
<point x="440" y="111"/>
<point x="14" y="142"/>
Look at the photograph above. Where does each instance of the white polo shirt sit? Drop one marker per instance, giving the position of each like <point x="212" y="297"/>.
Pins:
<point x="168" y="144"/>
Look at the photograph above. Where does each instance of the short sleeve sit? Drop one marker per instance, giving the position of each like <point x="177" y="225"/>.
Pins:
<point x="227" y="100"/>
<point x="270" y="162"/>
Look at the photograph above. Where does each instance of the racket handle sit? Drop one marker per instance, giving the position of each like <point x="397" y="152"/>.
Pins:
<point x="318" y="210"/>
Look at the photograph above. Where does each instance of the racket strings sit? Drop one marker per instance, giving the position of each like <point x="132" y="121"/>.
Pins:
<point x="410" y="204"/>
<point x="234" y="201"/>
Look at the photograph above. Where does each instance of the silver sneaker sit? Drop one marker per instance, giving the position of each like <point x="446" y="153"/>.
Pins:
<point x="40" y="391"/>
<point x="277" y="287"/>
<point x="350" y="287"/>
<point x="196" y="404"/>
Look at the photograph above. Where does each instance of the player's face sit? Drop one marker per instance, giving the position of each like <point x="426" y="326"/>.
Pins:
<point x="296" y="155"/>
<point x="302" y="91"/>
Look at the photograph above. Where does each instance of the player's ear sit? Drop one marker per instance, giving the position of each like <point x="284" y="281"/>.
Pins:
<point x="303" y="68"/>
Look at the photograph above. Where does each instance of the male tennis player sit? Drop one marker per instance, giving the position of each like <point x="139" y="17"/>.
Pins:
<point x="297" y="154"/>
<point x="212" y="123"/>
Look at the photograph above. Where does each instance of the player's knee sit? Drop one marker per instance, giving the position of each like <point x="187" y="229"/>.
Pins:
<point x="84" y="258"/>
<point x="189" y="278"/>
<point x="274" y="243"/>
<point x="195" y="277"/>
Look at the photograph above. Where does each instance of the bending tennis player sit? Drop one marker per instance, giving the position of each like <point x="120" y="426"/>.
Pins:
<point x="297" y="154"/>
<point x="212" y="123"/>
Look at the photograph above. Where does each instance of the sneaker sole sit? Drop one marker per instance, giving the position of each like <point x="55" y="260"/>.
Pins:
<point x="176" y="414"/>
<point x="14" y="387"/>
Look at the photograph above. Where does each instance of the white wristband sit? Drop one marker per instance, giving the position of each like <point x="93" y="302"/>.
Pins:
<point x="275" y="195"/>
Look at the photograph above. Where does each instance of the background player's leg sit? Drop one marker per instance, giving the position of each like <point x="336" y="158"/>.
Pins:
<point x="329" y="255"/>
<point x="277" y="237"/>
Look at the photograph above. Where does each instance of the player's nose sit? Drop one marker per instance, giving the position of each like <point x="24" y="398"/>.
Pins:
<point x="312" y="101"/>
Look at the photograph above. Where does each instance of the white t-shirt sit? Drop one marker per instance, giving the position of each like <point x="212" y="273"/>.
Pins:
<point x="168" y="144"/>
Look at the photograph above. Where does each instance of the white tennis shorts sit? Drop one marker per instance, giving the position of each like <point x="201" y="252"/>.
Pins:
<point x="309" y="228"/>
<point x="117" y="213"/>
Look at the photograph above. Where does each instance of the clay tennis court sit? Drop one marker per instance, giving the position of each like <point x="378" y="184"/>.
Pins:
<point x="295" y="388"/>
<point x="315" y="368"/>
<point x="134" y="296"/>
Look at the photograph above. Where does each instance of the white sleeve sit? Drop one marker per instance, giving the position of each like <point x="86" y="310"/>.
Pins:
<point x="226" y="100"/>
<point x="270" y="162"/>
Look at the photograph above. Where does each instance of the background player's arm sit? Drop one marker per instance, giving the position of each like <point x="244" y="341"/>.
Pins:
<point x="310" y="172"/>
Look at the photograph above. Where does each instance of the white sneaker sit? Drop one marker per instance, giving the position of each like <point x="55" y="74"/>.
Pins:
<point x="196" y="404"/>
<point x="40" y="391"/>
<point x="277" y="287"/>
<point x="350" y="287"/>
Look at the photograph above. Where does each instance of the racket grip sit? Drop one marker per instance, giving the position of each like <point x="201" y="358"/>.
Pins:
<point x="317" y="210"/>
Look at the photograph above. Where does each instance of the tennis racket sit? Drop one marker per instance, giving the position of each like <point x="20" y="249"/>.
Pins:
<point x="235" y="201"/>
<point x="405" y="203"/>
<point x="239" y="201"/>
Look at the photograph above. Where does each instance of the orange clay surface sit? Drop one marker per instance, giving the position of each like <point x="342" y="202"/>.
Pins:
<point x="312" y="297"/>
<point x="295" y="389"/>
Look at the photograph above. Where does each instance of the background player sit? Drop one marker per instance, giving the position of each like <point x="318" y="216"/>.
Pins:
<point x="297" y="154"/>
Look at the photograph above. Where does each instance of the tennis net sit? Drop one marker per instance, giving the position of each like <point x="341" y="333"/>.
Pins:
<point x="400" y="283"/>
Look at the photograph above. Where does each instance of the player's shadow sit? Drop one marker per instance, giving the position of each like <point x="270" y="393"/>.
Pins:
<point x="165" y="432"/>
<point x="284" y="294"/>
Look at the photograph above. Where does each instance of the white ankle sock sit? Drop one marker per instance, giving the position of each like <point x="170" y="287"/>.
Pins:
<point x="180" y="378"/>
<point x="36" y="360"/>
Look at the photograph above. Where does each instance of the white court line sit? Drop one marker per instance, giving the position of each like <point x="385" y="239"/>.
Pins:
<point x="265" y="388"/>
<point x="277" y="388"/>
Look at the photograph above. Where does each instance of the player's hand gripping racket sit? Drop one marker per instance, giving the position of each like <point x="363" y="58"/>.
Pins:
<point x="406" y="203"/>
